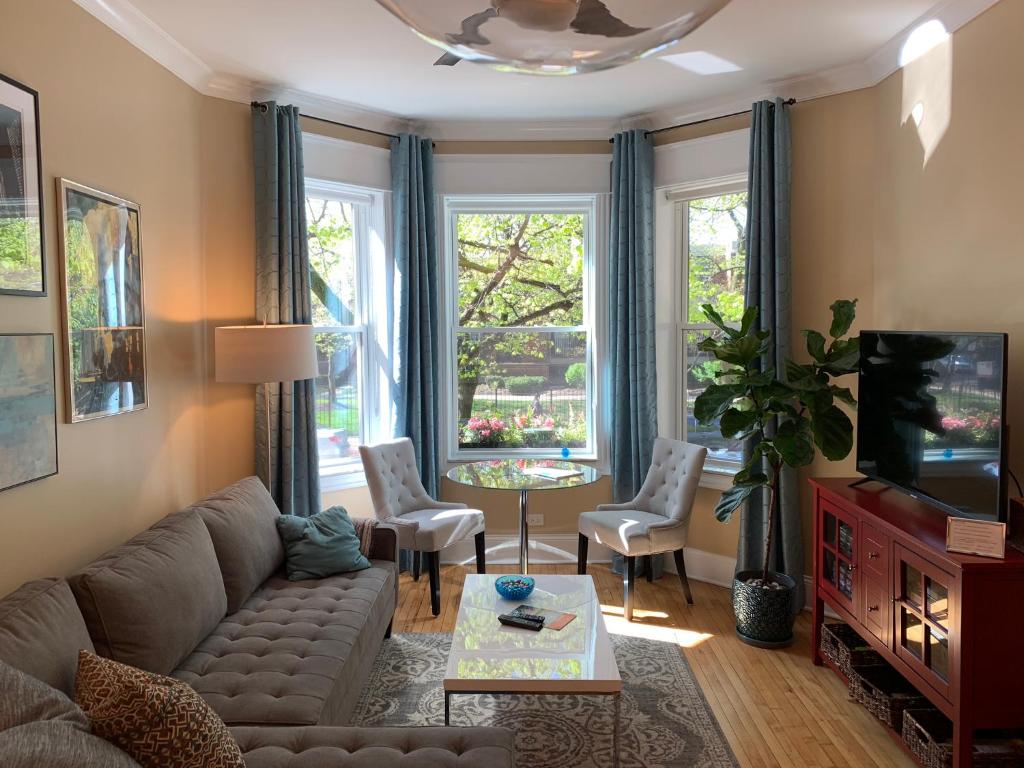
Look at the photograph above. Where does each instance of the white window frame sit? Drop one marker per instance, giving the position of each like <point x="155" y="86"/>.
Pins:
<point x="370" y="235"/>
<point x="717" y="473"/>
<point x="590" y="207"/>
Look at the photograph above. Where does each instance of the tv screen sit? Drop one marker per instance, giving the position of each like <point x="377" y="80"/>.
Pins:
<point x="931" y="417"/>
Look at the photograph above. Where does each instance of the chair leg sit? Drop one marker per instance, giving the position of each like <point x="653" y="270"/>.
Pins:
<point x="417" y="564"/>
<point x="681" y="568"/>
<point x="481" y="553"/>
<point x="649" y="567"/>
<point x="628" y="579"/>
<point x="581" y="556"/>
<point x="434" y="566"/>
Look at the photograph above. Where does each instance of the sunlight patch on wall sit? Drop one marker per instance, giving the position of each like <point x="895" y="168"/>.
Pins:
<point x="701" y="63"/>
<point x="927" y="61"/>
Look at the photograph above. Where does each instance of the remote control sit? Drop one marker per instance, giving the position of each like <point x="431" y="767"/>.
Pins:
<point x="518" y="621"/>
<point x="529" y="616"/>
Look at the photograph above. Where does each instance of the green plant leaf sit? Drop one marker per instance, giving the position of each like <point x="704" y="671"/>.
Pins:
<point x="815" y="345"/>
<point x="750" y="316"/>
<point x="737" y="424"/>
<point x="843" y="394"/>
<point x="714" y="401"/>
<point x="794" y="443"/>
<point x="843" y="357"/>
<point x="801" y="376"/>
<point x="718" y="321"/>
<point x="843" y="314"/>
<point x="833" y="433"/>
<point x="731" y="500"/>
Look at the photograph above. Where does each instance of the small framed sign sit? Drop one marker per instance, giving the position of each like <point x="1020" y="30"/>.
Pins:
<point x="976" y="537"/>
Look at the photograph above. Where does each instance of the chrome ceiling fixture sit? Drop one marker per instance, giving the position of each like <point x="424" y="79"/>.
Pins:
<point x="552" y="37"/>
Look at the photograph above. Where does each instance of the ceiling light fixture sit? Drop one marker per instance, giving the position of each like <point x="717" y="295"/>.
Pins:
<point x="552" y="37"/>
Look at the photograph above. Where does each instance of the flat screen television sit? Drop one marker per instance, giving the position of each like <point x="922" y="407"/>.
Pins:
<point x="932" y="418"/>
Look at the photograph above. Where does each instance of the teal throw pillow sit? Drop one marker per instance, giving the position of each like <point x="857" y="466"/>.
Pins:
<point x="320" y="546"/>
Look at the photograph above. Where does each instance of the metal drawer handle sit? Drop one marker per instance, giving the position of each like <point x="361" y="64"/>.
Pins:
<point x="872" y="608"/>
<point x="872" y="555"/>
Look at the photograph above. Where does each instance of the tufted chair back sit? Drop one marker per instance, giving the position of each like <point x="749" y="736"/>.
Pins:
<point x="672" y="481"/>
<point x="393" y="479"/>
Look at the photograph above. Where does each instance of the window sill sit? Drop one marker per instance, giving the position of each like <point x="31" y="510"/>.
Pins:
<point x="335" y="481"/>
<point x="717" y="478"/>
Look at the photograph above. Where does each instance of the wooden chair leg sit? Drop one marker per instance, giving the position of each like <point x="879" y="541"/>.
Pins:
<point x="581" y="556"/>
<point x="417" y="564"/>
<point x="628" y="579"/>
<point x="481" y="553"/>
<point x="681" y="569"/>
<point x="649" y="567"/>
<point x="434" y="568"/>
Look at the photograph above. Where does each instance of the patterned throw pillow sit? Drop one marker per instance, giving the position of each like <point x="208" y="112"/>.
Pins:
<point x="159" y="721"/>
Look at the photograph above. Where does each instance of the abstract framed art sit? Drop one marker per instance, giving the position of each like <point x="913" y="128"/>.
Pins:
<point x="28" y="409"/>
<point x="104" y="314"/>
<point x="22" y="266"/>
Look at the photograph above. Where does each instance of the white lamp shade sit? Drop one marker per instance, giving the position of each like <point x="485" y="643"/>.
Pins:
<point x="258" y="354"/>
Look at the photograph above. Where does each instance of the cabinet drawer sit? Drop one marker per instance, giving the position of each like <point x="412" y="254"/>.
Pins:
<point x="875" y="552"/>
<point x="876" y="608"/>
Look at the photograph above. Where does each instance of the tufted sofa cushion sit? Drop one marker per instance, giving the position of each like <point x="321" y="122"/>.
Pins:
<point x="297" y="652"/>
<point x="42" y="631"/>
<point x="242" y="521"/>
<point x="150" y="601"/>
<point x="375" y="747"/>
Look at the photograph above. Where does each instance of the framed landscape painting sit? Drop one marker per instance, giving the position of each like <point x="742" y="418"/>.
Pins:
<point x="22" y="267"/>
<point x="104" y="316"/>
<point x="28" y="409"/>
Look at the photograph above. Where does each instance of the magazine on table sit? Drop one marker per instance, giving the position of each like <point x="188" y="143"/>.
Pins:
<point x="551" y="473"/>
<point x="555" y="620"/>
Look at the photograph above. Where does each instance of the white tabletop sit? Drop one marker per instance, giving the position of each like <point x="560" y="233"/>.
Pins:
<point x="488" y="657"/>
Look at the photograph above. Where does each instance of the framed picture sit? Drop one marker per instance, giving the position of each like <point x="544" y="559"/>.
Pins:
<point x="22" y="267"/>
<point x="28" y="409"/>
<point x="104" y="316"/>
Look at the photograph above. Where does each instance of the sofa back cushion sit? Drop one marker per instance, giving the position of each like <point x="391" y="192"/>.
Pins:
<point x="42" y="631"/>
<point x="150" y="602"/>
<point x="40" y="726"/>
<point x="242" y="523"/>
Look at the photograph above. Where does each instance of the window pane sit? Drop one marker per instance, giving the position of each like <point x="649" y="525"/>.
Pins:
<point x="332" y="257"/>
<point x="717" y="256"/>
<point x="522" y="269"/>
<point x="522" y="390"/>
<point x="701" y="368"/>
<point x="338" y="400"/>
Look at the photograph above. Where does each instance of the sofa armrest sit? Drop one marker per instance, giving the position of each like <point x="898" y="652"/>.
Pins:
<point x="384" y="545"/>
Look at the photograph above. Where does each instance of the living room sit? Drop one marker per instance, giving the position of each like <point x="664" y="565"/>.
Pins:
<point x="503" y="256"/>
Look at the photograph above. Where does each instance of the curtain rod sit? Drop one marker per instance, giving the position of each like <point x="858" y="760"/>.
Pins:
<point x="263" y="108"/>
<point x="787" y="102"/>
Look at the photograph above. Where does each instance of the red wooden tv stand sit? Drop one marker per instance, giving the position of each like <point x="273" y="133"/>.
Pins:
<point x="953" y="625"/>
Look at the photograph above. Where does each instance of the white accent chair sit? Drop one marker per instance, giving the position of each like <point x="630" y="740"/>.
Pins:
<point x="656" y="521"/>
<point x="424" y="525"/>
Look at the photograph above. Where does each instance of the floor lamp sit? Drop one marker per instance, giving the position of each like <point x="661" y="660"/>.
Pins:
<point x="265" y="354"/>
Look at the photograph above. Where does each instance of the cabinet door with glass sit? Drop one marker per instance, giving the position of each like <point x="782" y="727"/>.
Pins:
<point x="838" y="543"/>
<point x="925" y="611"/>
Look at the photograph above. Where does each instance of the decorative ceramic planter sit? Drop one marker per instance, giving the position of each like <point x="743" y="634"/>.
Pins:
<point x="764" y="617"/>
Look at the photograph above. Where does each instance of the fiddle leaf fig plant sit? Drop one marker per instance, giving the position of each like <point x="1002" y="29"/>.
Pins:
<point x="790" y="417"/>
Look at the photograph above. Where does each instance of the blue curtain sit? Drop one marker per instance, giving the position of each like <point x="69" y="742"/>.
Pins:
<point x="769" y="286"/>
<point x="417" y="341"/>
<point x="634" y="394"/>
<point x="283" y="296"/>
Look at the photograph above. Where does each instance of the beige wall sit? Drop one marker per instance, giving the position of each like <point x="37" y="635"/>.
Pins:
<point x="113" y="119"/>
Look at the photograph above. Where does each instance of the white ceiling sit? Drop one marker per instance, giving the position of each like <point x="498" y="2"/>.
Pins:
<point x="351" y="57"/>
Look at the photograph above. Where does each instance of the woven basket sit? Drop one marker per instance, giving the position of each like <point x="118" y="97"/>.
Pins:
<point x="885" y="693"/>
<point x="929" y="735"/>
<point x="841" y="645"/>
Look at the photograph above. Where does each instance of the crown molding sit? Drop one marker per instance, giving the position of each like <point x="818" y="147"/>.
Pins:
<point x="125" y="19"/>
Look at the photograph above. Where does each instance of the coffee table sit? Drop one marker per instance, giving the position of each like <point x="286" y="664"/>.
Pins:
<point x="489" y="658"/>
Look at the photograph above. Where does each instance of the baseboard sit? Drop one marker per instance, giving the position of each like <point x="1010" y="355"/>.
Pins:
<point x="561" y="548"/>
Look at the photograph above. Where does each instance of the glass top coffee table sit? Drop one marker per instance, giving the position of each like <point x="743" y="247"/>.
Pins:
<point x="490" y="658"/>
<point x="524" y="475"/>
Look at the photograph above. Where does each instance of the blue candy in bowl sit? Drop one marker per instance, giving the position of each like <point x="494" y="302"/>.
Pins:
<point x="514" y="587"/>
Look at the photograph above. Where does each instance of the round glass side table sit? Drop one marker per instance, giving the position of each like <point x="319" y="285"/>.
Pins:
<point x="524" y="475"/>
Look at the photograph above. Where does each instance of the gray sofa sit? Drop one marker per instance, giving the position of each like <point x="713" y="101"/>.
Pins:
<point x="200" y="596"/>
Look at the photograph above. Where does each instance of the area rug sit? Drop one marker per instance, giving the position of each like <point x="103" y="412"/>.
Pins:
<point x="666" y="721"/>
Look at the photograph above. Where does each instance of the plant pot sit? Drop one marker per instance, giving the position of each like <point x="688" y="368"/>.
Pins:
<point x="764" y="617"/>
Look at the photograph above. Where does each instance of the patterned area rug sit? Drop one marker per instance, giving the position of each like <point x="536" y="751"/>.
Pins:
<point x="666" y="720"/>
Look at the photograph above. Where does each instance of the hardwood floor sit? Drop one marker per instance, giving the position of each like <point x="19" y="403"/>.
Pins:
<point x="775" y="707"/>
